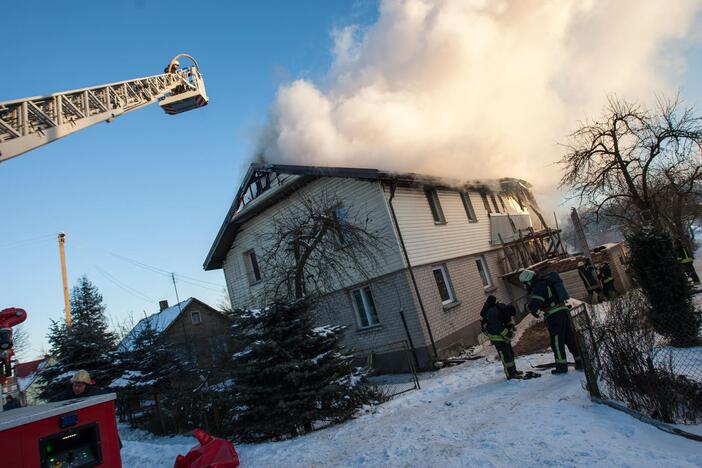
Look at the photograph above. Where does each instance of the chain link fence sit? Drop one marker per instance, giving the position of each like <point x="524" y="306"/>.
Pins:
<point x="631" y="362"/>
<point x="392" y="368"/>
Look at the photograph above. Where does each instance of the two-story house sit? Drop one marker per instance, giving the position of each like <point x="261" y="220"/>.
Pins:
<point x="446" y="251"/>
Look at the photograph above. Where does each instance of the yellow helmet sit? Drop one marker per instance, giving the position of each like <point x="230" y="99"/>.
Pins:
<point x="82" y="376"/>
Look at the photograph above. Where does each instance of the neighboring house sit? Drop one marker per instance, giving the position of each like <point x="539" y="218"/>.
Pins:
<point x="450" y="242"/>
<point x="196" y="330"/>
<point x="24" y="383"/>
<point x="29" y="379"/>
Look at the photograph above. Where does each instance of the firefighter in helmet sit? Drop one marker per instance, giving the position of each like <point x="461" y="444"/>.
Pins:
<point x="544" y="297"/>
<point x="496" y="322"/>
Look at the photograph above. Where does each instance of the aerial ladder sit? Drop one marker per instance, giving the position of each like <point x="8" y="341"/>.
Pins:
<point x="26" y="124"/>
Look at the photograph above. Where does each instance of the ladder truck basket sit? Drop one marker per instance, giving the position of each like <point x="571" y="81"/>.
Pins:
<point x="187" y="96"/>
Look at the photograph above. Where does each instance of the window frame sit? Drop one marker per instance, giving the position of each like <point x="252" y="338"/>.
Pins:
<point x="437" y="213"/>
<point x="253" y="269"/>
<point x="486" y="203"/>
<point x="494" y="202"/>
<point x="468" y="206"/>
<point x="192" y="315"/>
<point x="447" y="283"/>
<point x="371" y="319"/>
<point x="484" y="272"/>
<point x="342" y="237"/>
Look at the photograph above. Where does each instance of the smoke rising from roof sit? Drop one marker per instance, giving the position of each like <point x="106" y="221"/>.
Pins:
<point x="477" y="88"/>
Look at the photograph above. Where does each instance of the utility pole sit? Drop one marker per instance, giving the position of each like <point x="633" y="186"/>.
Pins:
<point x="580" y="233"/>
<point x="64" y="277"/>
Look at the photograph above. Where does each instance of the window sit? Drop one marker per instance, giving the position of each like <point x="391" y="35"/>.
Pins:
<point x="365" y="307"/>
<point x="468" y="205"/>
<point x="343" y="235"/>
<point x="494" y="202"/>
<point x="502" y="202"/>
<point x="485" y="202"/>
<point x="218" y="346"/>
<point x="444" y="284"/>
<point x="195" y="317"/>
<point x="435" y="206"/>
<point x="252" y="270"/>
<point x="484" y="272"/>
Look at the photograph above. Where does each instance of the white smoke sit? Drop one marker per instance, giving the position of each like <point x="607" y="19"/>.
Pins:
<point x="477" y="88"/>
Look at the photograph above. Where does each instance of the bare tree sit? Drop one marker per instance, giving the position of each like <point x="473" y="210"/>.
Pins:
<point x="316" y="243"/>
<point x="638" y="165"/>
<point x="20" y="339"/>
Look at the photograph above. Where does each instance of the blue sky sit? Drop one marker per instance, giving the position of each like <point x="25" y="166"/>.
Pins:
<point x="150" y="187"/>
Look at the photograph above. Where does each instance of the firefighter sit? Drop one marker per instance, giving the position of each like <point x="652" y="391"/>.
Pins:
<point x="685" y="259"/>
<point x="496" y="322"/>
<point x="81" y="386"/>
<point x="172" y="67"/>
<point x="589" y="277"/>
<point x="543" y="296"/>
<point x="11" y="403"/>
<point x="607" y="280"/>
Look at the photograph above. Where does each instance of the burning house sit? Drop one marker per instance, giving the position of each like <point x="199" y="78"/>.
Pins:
<point x="450" y="243"/>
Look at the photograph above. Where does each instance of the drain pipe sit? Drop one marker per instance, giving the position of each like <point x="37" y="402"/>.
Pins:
<point x="393" y="186"/>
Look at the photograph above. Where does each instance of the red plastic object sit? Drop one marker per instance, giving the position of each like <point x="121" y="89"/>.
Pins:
<point x="212" y="452"/>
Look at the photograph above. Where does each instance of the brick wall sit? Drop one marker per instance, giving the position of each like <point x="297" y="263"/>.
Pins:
<point x="392" y="294"/>
<point x="456" y="325"/>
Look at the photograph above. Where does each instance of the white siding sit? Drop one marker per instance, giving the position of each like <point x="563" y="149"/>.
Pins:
<point x="366" y="197"/>
<point x="427" y="241"/>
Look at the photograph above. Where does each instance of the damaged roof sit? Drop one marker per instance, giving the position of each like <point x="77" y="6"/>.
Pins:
<point x="257" y="179"/>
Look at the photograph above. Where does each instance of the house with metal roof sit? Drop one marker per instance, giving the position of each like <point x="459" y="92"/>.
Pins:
<point x="451" y="242"/>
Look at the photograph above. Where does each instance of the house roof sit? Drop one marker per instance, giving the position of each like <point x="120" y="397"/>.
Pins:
<point x="27" y="372"/>
<point x="23" y="369"/>
<point x="239" y="212"/>
<point x="159" y="321"/>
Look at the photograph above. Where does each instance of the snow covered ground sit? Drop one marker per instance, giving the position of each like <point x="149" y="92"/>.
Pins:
<point x="467" y="415"/>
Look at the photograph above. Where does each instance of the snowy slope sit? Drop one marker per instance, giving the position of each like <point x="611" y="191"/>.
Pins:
<point x="464" y="416"/>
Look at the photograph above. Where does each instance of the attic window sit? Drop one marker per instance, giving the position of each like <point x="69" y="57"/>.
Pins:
<point x="494" y="202"/>
<point x="257" y="184"/>
<point x="435" y="206"/>
<point x="343" y="234"/>
<point x="468" y="205"/>
<point x="486" y="204"/>
<point x="195" y="317"/>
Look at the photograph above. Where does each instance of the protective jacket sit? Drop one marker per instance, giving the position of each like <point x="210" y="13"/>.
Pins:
<point x="498" y="321"/>
<point x="542" y="297"/>
<point x="67" y="394"/>
<point x="589" y="276"/>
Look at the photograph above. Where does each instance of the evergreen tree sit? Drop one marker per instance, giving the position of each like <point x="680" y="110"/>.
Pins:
<point x="290" y="376"/>
<point x="148" y="369"/>
<point x="88" y="344"/>
<point x="656" y="269"/>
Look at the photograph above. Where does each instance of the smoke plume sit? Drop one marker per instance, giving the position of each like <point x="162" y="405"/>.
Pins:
<point x="477" y="88"/>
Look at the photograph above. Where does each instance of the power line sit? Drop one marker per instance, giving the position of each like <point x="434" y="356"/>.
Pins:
<point x="128" y="289"/>
<point x="183" y="278"/>
<point x="26" y="242"/>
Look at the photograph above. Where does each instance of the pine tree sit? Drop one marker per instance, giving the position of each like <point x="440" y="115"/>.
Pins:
<point x="148" y="369"/>
<point x="656" y="269"/>
<point x="290" y="377"/>
<point x="88" y="344"/>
